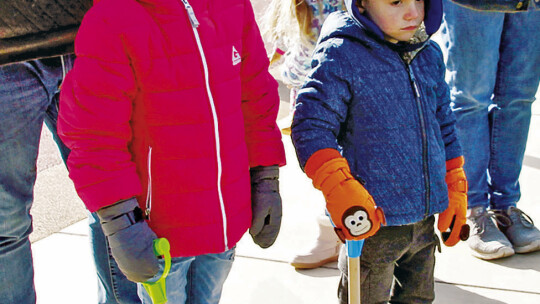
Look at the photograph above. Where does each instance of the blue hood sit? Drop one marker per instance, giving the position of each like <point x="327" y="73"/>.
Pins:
<point x="432" y="19"/>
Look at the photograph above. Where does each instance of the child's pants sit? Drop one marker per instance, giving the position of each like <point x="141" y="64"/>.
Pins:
<point x="195" y="280"/>
<point x="397" y="265"/>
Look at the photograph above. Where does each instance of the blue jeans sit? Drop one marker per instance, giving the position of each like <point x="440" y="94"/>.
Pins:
<point x="195" y="280"/>
<point x="28" y="97"/>
<point x="113" y="286"/>
<point x="494" y="70"/>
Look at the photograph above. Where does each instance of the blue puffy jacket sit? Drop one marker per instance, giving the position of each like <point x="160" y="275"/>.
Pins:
<point x="390" y="118"/>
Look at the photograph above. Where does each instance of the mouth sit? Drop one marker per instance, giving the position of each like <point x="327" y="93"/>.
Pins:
<point x="410" y="28"/>
<point x="360" y="230"/>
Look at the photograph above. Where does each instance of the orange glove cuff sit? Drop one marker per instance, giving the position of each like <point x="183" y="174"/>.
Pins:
<point x="318" y="158"/>
<point x="455" y="163"/>
<point x="452" y="222"/>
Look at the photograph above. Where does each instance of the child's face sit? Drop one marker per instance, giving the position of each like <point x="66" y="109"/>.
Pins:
<point x="398" y="19"/>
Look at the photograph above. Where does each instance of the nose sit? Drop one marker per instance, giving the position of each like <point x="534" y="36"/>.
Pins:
<point x="412" y="12"/>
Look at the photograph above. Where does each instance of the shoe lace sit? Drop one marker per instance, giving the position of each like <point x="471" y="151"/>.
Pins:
<point x="487" y="220"/>
<point x="516" y="214"/>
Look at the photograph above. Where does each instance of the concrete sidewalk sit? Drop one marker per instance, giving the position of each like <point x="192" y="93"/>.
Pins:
<point x="64" y="271"/>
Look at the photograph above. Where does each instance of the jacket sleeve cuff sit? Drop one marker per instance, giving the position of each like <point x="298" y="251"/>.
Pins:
<point x="317" y="159"/>
<point x="110" y="191"/>
<point x="267" y="153"/>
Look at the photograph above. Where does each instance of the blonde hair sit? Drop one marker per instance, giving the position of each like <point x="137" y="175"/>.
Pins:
<point x="289" y="21"/>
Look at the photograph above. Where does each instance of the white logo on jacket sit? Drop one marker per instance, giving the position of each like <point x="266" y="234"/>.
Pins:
<point x="235" y="56"/>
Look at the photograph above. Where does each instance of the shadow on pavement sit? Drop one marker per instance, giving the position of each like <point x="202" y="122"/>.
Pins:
<point x="531" y="161"/>
<point x="328" y="270"/>
<point x="452" y="294"/>
<point x="529" y="261"/>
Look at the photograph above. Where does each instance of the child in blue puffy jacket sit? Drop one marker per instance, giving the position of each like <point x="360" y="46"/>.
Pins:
<point x="374" y="130"/>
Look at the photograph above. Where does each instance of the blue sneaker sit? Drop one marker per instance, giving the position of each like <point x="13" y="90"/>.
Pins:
<point x="486" y="241"/>
<point x="521" y="232"/>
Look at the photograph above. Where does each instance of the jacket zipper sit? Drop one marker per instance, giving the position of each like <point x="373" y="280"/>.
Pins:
<point x="149" y="189"/>
<point x="424" y="136"/>
<point x="194" y="25"/>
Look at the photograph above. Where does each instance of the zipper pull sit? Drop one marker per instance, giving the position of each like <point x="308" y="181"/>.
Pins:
<point x="416" y="91"/>
<point x="191" y="14"/>
<point x="149" y="191"/>
<point x="147" y="214"/>
<point x="413" y="81"/>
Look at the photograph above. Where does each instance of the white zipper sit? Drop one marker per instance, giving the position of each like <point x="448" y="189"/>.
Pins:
<point x="194" y="25"/>
<point x="191" y="14"/>
<point x="149" y="189"/>
<point x="64" y="70"/>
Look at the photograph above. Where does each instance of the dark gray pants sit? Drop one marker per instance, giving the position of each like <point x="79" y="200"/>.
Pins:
<point x="397" y="265"/>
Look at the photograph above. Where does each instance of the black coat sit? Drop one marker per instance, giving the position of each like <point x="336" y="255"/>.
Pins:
<point x="38" y="28"/>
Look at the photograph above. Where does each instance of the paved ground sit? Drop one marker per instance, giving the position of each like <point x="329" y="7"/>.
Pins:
<point x="56" y="204"/>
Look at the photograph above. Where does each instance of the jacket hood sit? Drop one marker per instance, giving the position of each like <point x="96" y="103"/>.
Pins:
<point x="432" y="19"/>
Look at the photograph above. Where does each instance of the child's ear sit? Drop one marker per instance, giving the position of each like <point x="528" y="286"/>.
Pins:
<point x="360" y="6"/>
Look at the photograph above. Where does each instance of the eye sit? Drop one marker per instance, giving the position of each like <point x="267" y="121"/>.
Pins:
<point x="361" y="216"/>
<point x="350" y="221"/>
<point x="397" y="2"/>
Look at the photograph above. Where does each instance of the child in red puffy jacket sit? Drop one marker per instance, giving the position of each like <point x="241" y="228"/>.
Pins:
<point x="170" y="115"/>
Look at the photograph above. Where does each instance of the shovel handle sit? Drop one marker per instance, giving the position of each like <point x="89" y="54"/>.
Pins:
<point x="157" y="290"/>
<point x="354" y="250"/>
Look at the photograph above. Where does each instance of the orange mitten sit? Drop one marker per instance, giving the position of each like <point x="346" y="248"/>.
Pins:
<point x="455" y="216"/>
<point x="350" y="205"/>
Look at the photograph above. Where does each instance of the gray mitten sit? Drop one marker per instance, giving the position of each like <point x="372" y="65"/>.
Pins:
<point x="130" y="239"/>
<point x="265" y="205"/>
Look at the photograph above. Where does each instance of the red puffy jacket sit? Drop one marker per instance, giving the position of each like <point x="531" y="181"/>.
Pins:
<point x="173" y="108"/>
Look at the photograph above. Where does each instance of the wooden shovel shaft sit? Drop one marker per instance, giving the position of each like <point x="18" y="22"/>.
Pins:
<point x="354" y="280"/>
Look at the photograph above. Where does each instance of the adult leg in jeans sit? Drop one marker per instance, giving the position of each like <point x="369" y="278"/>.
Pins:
<point x="516" y="85"/>
<point x="492" y="89"/>
<point x="25" y="95"/>
<point x="113" y="286"/>
<point x="472" y="40"/>
<point x="515" y="89"/>
<point x="493" y="64"/>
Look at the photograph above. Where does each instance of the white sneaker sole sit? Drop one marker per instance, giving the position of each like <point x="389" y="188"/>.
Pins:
<point x="534" y="246"/>
<point x="501" y="253"/>
<point x="317" y="264"/>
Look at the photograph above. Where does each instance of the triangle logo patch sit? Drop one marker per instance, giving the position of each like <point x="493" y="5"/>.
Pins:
<point x="235" y="56"/>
